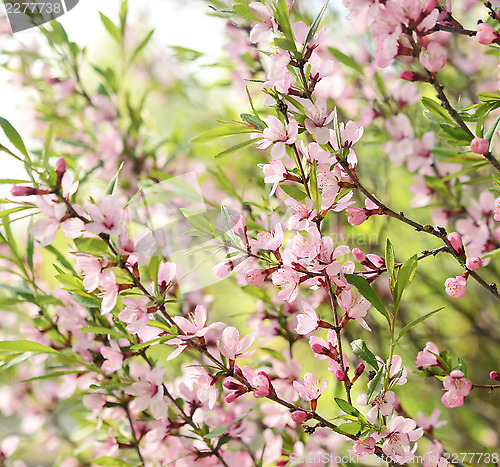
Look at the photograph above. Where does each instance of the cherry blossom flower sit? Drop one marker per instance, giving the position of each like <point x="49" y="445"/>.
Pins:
<point x="204" y="384"/>
<point x="322" y="349"/>
<point x="110" y="287"/>
<point x="308" y="321"/>
<point x="318" y="118"/>
<point x="398" y="435"/>
<point x="260" y="382"/>
<point x="302" y="215"/>
<point x="166" y="274"/>
<point x="276" y="132"/>
<point x="496" y="217"/>
<point x="473" y="263"/>
<point x="8" y="445"/>
<point x="141" y="247"/>
<point x="232" y="347"/>
<point x="364" y="447"/>
<point x="384" y="403"/>
<point x="135" y="313"/>
<point x="149" y="393"/>
<point x="430" y="423"/>
<point x="456" y="286"/>
<point x="262" y="30"/>
<point x="486" y="34"/>
<point x="457" y="387"/>
<point x="435" y="59"/>
<point x="275" y="172"/>
<point x="288" y="281"/>
<point x="92" y="269"/>
<point x="354" y="307"/>
<point x="107" y="218"/>
<point x="309" y="391"/>
<point x="428" y="356"/>
<point x="113" y="358"/>
<point x="434" y="456"/>
<point x="270" y="240"/>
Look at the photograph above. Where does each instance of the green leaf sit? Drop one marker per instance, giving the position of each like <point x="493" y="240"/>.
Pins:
<point x="346" y="60"/>
<point x="348" y="408"/>
<point x="375" y="386"/>
<point x="365" y="289"/>
<point x="456" y="133"/>
<point x="111" y="27"/>
<point x="462" y="366"/>
<point x="222" y="132"/>
<point x="114" y="181"/>
<point x="415" y="322"/>
<point x="282" y="16"/>
<point x="285" y="44"/>
<point x="364" y="353"/>
<point x="349" y="428"/>
<point x="140" y="47"/>
<point x="10" y="211"/>
<point x="253" y="120"/>
<point x="243" y="10"/>
<point x="492" y="131"/>
<point x="25" y="346"/>
<point x="488" y="97"/>
<point x="238" y="147"/>
<point x="54" y="374"/>
<point x="198" y="221"/>
<point x="389" y="263"/>
<point x="294" y="192"/>
<point x="315" y="25"/>
<point x="93" y="246"/>
<point x="12" y="181"/>
<point x="405" y="277"/>
<point x="107" y="461"/>
<point x="103" y="331"/>
<point x="216" y="432"/>
<point x="13" y="136"/>
<point x="435" y="109"/>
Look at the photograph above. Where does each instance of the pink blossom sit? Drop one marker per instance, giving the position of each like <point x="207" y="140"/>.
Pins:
<point x="195" y="325"/>
<point x="318" y="118"/>
<point x="479" y="146"/>
<point x="456" y="286"/>
<point x="8" y="445"/>
<point x="149" y="393"/>
<point x="428" y="356"/>
<point x="275" y="172"/>
<point x="110" y="287"/>
<point x="232" y="347"/>
<point x="435" y="59"/>
<point x="259" y="381"/>
<point x="270" y="240"/>
<point x="457" y="387"/>
<point x="92" y="269"/>
<point x="107" y="218"/>
<point x="166" y="274"/>
<point x="395" y="368"/>
<point x="430" y="423"/>
<point x="276" y="132"/>
<point x="434" y="456"/>
<point x="354" y="307"/>
<point x="262" y="30"/>
<point x="140" y="248"/>
<point x="322" y="349"/>
<point x="113" y="358"/>
<point x="288" y="281"/>
<point x="309" y="391"/>
<point x="204" y="384"/>
<point x="135" y="314"/>
<point x="497" y="210"/>
<point x="364" y="447"/>
<point x="486" y="34"/>
<point x="302" y="215"/>
<point x="256" y="276"/>
<point x="400" y="432"/>
<point x="384" y="403"/>
<point x="308" y="321"/>
<point x="473" y="263"/>
<point x="456" y="242"/>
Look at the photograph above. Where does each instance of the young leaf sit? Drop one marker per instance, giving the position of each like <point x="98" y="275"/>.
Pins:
<point x="389" y="263"/>
<point x="415" y="322"/>
<point x="346" y="60"/>
<point x="364" y="289"/>
<point x="111" y="27"/>
<point x="25" y="346"/>
<point x="405" y="277"/>
<point x="435" y="109"/>
<point x="221" y="132"/>
<point x="314" y="26"/>
<point x="283" y="18"/>
<point x="348" y="408"/>
<point x="238" y="147"/>
<point x="364" y="353"/>
<point x="114" y="181"/>
<point x="13" y="137"/>
<point x="375" y="386"/>
<point x="294" y="193"/>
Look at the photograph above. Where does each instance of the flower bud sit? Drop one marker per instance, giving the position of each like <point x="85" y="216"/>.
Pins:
<point x="340" y="375"/>
<point x="456" y="242"/>
<point x="359" y="369"/>
<point x="60" y="167"/>
<point x="429" y="6"/>
<point x="473" y="263"/>
<point x="18" y="190"/>
<point x="411" y="76"/>
<point x="300" y="416"/>
<point x="456" y="286"/>
<point x="358" y="254"/>
<point x="486" y="34"/>
<point x="479" y="146"/>
<point x="495" y="375"/>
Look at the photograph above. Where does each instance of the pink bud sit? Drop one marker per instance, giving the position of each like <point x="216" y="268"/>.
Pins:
<point x="300" y="416"/>
<point x="340" y="375"/>
<point x="429" y="6"/>
<point x="479" y="146"/>
<point x="231" y="397"/>
<point x="411" y="76"/>
<point x="456" y="242"/>
<point x="359" y="369"/>
<point x="60" y="166"/>
<point x="358" y="254"/>
<point x="473" y="263"/>
<point x="486" y="34"/>
<point x="495" y="375"/>
<point x="456" y="286"/>
<point x="18" y="190"/>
